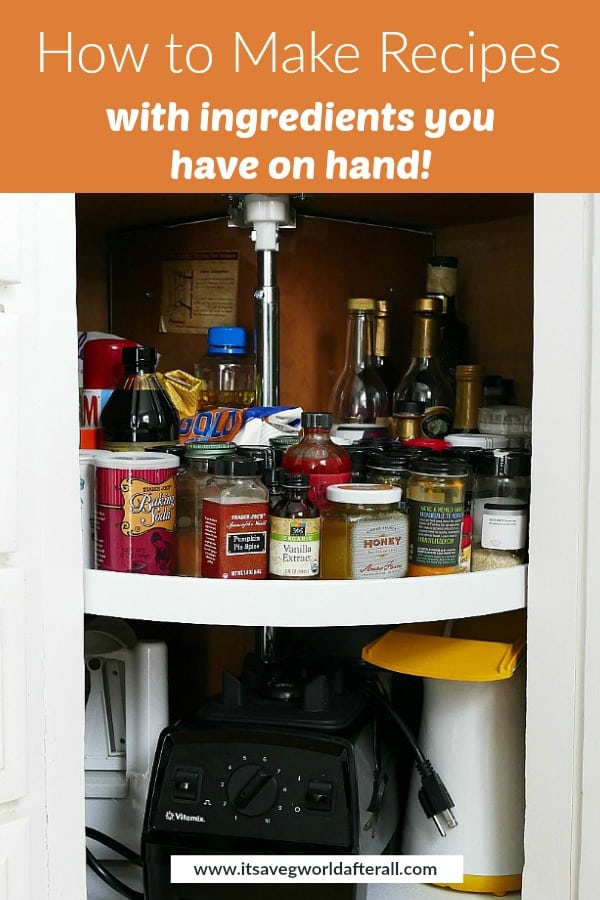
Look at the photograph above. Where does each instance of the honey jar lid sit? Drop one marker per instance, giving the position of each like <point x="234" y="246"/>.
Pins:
<point x="366" y="494"/>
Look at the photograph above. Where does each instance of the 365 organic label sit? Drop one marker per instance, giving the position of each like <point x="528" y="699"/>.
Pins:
<point x="294" y="547"/>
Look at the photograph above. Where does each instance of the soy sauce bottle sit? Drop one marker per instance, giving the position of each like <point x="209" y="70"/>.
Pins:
<point x="139" y="413"/>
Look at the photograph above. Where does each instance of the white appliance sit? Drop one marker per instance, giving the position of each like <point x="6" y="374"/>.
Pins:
<point x="126" y="709"/>
<point x="473" y="731"/>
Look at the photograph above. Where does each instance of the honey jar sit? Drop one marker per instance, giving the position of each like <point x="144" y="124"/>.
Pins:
<point x="364" y="534"/>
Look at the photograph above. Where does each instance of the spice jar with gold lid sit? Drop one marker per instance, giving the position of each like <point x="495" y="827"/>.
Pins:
<point x="435" y="498"/>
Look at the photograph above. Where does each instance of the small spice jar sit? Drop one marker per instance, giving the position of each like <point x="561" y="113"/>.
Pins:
<point x="188" y="488"/>
<point x="436" y="506"/>
<point x="235" y="506"/>
<point x="364" y="534"/>
<point x="390" y="467"/>
<point x="501" y="489"/>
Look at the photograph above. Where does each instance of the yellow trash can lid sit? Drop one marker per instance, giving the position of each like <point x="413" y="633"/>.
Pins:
<point x="483" y="648"/>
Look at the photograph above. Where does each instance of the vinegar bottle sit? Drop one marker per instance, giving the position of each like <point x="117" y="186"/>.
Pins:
<point x="139" y="414"/>
<point x="359" y="394"/>
<point x="424" y="380"/>
<point x="469" y="398"/>
<point x="318" y="457"/>
<point x="442" y="282"/>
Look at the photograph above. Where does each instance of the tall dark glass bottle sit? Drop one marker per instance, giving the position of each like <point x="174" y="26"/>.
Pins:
<point x="442" y="282"/>
<point x="139" y="413"/>
<point x="424" y="380"/>
<point x="383" y="346"/>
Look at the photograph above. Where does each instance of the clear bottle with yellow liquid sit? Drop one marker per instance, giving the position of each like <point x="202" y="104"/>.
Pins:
<point x="227" y="371"/>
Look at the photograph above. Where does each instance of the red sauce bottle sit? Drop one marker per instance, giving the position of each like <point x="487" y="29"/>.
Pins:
<point x="318" y="457"/>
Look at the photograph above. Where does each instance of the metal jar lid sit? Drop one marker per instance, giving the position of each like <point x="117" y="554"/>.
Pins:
<point x="234" y="466"/>
<point x="317" y="420"/>
<point x="363" y="494"/>
<point x="438" y="467"/>
<point x="203" y="449"/>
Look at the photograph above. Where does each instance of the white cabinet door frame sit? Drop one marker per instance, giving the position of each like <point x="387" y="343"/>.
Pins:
<point x="557" y="599"/>
<point x="38" y="274"/>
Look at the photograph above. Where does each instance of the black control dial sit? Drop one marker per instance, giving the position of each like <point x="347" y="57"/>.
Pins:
<point x="252" y="790"/>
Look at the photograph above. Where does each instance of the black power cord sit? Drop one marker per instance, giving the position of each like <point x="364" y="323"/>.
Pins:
<point x="103" y="872"/>
<point x="433" y="795"/>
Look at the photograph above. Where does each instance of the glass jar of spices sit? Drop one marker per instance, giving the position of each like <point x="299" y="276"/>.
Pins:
<point x="436" y="500"/>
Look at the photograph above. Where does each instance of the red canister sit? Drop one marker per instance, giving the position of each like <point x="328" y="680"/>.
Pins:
<point x="135" y="513"/>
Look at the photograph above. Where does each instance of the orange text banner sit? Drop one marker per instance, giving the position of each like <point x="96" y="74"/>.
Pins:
<point x="192" y="97"/>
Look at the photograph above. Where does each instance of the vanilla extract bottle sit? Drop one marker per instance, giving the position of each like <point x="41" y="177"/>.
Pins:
<point x="294" y="531"/>
<point x="424" y="381"/>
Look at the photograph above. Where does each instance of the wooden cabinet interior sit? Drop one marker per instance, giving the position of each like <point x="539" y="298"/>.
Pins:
<point x="328" y="257"/>
<point x="343" y="245"/>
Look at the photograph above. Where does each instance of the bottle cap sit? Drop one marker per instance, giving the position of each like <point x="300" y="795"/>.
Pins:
<point x="202" y="449"/>
<point x="390" y="461"/>
<point x="436" y="444"/>
<point x="361" y="303"/>
<point x="481" y="441"/>
<point x="234" y="466"/>
<point x="469" y="372"/>
<point x="447" y="262"/>
<point x="436" y="466"/>
<point x="226" y="339"/>
<point x="369" y="494"/>
<point x="139" y="356"/>
<point x="263" y="453"/>
<point x="428" y="305"/>
<point x="294" y="479"/>
<point x="316" y="420"/>
<point x="502" y="463"/>
<point x="283" y="442"/>
<point x="414" y="407"/>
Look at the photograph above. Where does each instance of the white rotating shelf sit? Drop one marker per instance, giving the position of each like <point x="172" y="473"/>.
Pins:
<point x="205" y="601"/>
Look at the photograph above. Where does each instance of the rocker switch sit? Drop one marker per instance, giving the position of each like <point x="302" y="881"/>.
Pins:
<point x="319" y="795"/>
<point x="186" y="785"/>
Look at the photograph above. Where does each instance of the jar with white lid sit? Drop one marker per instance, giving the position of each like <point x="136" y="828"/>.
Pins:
<point x="364" y="534"/>
<point x="501" y="491"/>
<point x="478" y="441"/>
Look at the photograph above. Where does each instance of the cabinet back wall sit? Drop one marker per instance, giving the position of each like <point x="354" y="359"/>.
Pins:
<point x="320" y="264"/>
